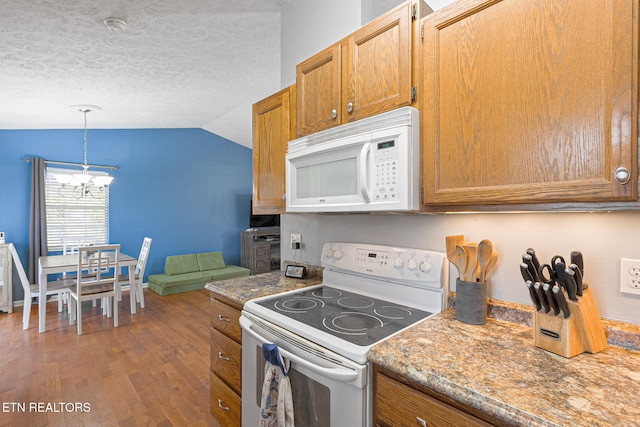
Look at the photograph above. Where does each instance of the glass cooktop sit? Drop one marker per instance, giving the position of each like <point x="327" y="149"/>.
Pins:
<point x="356" y="318"/>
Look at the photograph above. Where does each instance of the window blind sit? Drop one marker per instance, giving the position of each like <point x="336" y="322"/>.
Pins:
<point x="72" y="219"/>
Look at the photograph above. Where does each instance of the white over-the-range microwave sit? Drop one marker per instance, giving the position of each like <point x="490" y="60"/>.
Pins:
<point x="367" y="165"/>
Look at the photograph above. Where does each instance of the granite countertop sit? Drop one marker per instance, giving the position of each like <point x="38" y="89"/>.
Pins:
<point x="496" y="368"/>
<point x="243" y="289"/>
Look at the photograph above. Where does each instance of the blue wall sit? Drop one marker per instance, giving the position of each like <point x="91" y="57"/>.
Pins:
<point x="187" y="189"/>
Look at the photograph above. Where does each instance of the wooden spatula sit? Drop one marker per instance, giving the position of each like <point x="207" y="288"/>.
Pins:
<point x="452" y="241"/>
<point x="472" y="261"/>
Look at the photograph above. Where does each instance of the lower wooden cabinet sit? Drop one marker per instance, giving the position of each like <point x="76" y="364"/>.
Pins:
<point x="226" y="405"/>
<point x="226" y="361"/>
<point x="398" y="404"/>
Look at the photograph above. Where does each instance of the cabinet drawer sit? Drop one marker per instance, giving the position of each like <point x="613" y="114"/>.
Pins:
<point x="226" y="359"/>
<point x="226" y="405"/>
<point x="226" y="320"/>
<point x="400" y="405"/>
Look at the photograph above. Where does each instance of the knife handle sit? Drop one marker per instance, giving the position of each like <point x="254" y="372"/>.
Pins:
<point x="562" y="301"/>
<point x="526" y="274"/>
<point x="527" y="259"/>
<point x="533" y="294"/>
<point x="559" y="267"/>
<point x="570" y="284"/>
<point x="551" y="298"/>
<point x="534" y="258"/>
<point x="542" y="297"/>
<point x="578" y="278"/>
<point x="576" y="258"/>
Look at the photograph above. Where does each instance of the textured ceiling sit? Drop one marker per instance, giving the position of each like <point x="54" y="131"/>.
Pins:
<point x="178" y="64"/>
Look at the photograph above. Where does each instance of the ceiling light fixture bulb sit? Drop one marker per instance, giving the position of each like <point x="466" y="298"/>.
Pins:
<point x="117" y="25"/>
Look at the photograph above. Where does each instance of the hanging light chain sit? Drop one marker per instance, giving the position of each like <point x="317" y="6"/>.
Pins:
<point x="85" y="111"/>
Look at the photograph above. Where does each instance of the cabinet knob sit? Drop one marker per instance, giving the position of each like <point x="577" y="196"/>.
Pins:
<point x="223" y="318"/>
<point x="622" y="175"/>
<point x="334" y="113"/>
<point x="350" y="107"/>
<point x="223" y="357"/>
<point x="422" y="422"/>
<point x="226" y="408"/>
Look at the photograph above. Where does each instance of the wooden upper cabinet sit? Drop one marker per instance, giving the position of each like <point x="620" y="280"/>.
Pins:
<point x="366" y="73"/>
<point x="530" y="101"/>
<point x="377" y="66"/>
<point x="273" y="128"/>
<point x="318" y="81"/>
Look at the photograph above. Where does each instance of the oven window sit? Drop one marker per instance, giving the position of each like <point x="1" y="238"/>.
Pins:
<point x="311" y="400"/>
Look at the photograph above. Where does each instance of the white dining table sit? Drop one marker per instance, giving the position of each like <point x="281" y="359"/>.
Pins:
<point x="52" y="264"/>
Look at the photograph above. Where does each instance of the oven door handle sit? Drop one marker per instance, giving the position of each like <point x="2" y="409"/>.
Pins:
<point x="338" y="374"/>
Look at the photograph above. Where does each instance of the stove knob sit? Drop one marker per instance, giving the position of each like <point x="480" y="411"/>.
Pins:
<point x="398" y="262"/>
<point x="337" y="254"/>
<point x="412" y="264"/>
<point x="328" y="253"/>
<point x="425" y="266"/>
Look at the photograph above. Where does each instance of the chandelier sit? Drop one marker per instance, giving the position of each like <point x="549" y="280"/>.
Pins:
<point x="83" y="184"/>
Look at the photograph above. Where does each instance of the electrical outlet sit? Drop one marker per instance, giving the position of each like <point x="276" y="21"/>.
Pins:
<point x="296" y="241"/>
<point x="630" y="276"/>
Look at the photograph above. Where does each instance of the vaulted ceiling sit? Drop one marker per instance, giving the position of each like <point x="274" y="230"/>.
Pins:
<point x="177" y="64"/>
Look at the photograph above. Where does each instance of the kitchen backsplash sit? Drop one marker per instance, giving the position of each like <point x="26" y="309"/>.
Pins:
<point x="603" y="237"/>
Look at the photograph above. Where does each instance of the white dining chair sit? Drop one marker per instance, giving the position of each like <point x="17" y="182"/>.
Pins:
<point x="60" y="288"/>
<point x="100" y="264"/>
<point x="141" y="265"/>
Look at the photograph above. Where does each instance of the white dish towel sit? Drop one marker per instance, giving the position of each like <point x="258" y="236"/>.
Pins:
<point x="276" y="404"/>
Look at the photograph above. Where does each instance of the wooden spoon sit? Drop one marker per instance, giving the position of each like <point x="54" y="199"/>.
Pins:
<point x="461" y="262"/>
<point x="485" y="250"/>
<point x="491" y="265"/>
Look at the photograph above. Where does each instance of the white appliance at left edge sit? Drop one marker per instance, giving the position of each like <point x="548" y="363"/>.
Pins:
<point x="368" y="165"/>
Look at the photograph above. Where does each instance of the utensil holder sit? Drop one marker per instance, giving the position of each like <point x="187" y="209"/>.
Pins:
<point x="581" y="332"/>
<point x="471" y="302"/>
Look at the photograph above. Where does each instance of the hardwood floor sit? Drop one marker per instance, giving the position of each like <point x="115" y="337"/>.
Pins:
<point x="152" y="370"/>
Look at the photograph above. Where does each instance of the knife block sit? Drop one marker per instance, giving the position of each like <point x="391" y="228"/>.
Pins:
<point x="581" y="332"/>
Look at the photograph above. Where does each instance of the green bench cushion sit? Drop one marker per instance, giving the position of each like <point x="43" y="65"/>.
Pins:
<point x="210" y="261"/>
<point x="164" y="284"/>
<point x="182" y="279"/>
<point x="180" y="264"/>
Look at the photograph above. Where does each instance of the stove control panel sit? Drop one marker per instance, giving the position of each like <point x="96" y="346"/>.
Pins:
<point x="419" y="267"/>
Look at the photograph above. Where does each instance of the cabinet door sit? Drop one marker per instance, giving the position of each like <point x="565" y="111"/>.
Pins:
<point x="318" y="91"/>
<point x="530" y="101"/>
<point x="400" y="405"/>
<point x="377" y="66"/>
<point x="226" y="405"/>
<point x="273" y="124"/>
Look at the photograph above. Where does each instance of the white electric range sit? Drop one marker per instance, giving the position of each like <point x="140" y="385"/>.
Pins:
<point x="369" y="293"/>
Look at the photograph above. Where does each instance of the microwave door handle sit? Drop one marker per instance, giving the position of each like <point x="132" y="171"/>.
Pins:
<point x="364" y="172"/>
<point x="343" y="375"/>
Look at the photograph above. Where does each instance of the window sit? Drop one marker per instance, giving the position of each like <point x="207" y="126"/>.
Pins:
<point x="74" y="217"/>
